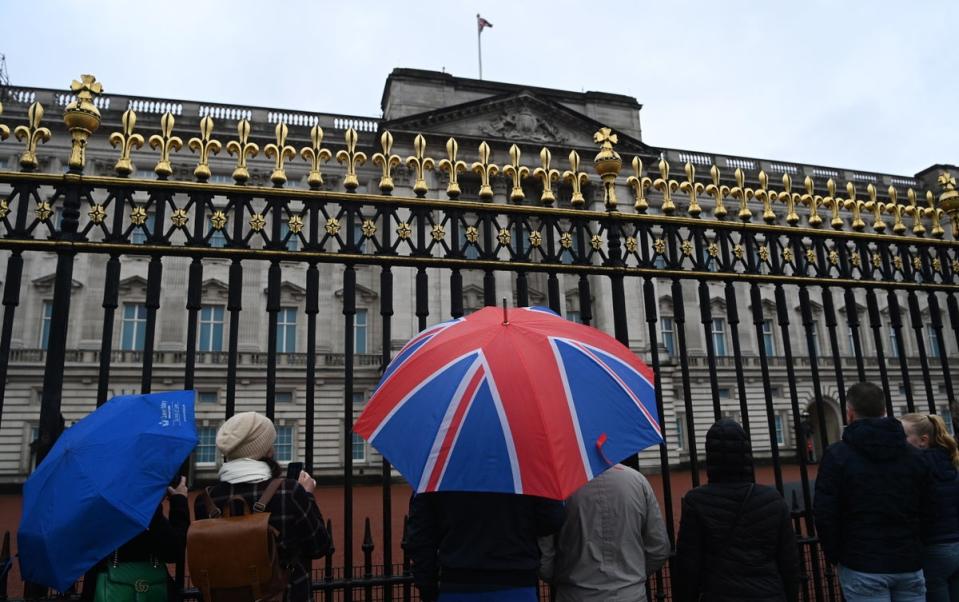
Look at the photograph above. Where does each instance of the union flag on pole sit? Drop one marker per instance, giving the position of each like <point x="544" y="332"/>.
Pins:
<point x="481" y="23"/>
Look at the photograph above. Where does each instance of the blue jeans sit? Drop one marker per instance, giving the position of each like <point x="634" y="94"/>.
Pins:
<point x="519" y="594"/>
<point x="882" y="587"/>
<point x="940" y="563"/>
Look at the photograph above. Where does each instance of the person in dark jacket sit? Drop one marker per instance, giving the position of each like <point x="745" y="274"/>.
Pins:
<point x="872" y="497"/>
<point x="736" y="541"/>
<point x="476" y="547"/>
<point x="941" y="538"/>
<point x="163" y="542"/>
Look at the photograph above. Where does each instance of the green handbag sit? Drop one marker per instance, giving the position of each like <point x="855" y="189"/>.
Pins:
<point x="132" y="582"/>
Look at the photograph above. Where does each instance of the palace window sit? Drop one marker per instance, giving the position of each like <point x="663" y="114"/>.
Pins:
<point x="205" y="451"/>
<point x="769" y="339"/>
<point x="211" y="328"/>
<point x="283" y="447"/>
<point x="207" y="397"/>
<point x="360" y="329"/>
<point x="666" y="330"/>
<point x="286" y="330"/>
<point x="133" y="332"/>
<point x="719" y="336"/>
<point x="45" y="320"/>
<point x="935" y="350"/>
<point x="780" y="430"/>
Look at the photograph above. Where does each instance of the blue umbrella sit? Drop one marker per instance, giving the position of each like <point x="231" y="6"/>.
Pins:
<point x="101" y="484"/>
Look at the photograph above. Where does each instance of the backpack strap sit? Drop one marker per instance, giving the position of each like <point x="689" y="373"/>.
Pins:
<point x="212" y="510"/>
<point x="268" y="493"/>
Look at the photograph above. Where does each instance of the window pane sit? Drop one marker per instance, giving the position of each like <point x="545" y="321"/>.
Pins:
<point x="934" y="349"/>
<point x="719" y="336"/>
<point x="573" y="316"/>
<point x="286" y="330"/>
<point x="359" y="331"/>
<point x="211" y="328"/>
<point x="206" y="446"/>
<point x="134" y="327"/>
<point x="45" y="324"/>
<point x="283" y="397"/>
<point x="207" y="397"/>
<point x="769" y="341"/>
<point x="283" y="447"/>
<point x="666" y="325"/>
<point x="359" y="448"/>
<point x="780" y="433"/>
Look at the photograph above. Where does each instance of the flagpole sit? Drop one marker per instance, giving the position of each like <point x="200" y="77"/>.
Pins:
<point x="479" y="46"/>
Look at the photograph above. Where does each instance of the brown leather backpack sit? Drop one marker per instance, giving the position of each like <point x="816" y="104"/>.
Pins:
<point x="234" y="557"/>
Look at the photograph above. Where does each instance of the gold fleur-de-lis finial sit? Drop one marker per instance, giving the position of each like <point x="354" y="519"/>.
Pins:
<point x="935" y="215"/>
<point x="896" y="210"/>
<point x="547" y="176"/>
<point x="790" y="198"/>
<point x="352" y="158"/>
<point x="834" y="203"/>
<point x="420" y="163"/>
<point x="82" y="118"/>
<point x="34" y="134"/>
<point x="813" y="201"/>
<point x="718" y="192"/>
<point x="452" y="166"/>
<point x="242" y="148"/>
<point x="128" y="141"/>
<point x="764" y="195"/>
<point x="517" y="172"/>
<point x="692" y="188"/>
<point x="639" y="183"/>
<point x="486" y="169"/>
<point x="204" y="145"/>
<point x="742" y="194"/>
<point x="167" y="143"/>
<point x="387" y="162"/>
<point x="855" y="205"/>
<point x="4" y="130"/>
<point x="916" y="212"/>
<point x="576" y="178"/>
<point x="607" y="164"/>
<point x="315" y="154"/>
<point x="875" y="206"/>
<point x="280" y="153"/>
<point x="666" y="186"/>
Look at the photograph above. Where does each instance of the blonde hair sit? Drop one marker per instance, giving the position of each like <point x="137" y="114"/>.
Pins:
<point x="933" y="427"/>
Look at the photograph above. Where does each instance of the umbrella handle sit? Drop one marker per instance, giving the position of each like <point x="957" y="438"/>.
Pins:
<point x="600" y="442"/>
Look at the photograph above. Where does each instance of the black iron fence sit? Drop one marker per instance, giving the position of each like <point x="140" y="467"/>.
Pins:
<point x="728" y="251"/>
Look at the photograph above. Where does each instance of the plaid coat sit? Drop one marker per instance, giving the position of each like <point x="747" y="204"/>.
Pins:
<point x="295" y="515"/>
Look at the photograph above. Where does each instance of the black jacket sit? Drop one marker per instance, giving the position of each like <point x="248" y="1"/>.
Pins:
<point x="721" y="559"/>
<point x="945" y="477"/>
<point x="873" y="492"/>
<point x="467" y="541"/>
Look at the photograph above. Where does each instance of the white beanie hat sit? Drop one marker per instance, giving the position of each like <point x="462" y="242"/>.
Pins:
<point x="246" y="435"/>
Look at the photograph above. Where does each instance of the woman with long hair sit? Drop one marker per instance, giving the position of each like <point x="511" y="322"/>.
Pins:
<point x="941" y="538"/>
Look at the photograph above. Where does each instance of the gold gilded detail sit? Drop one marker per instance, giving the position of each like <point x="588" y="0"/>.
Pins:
<point x="128" y="141"/>
<point x="763" y="253"/>
<point x="535" y="239"/>
<point x="813" y="201"/>
<point x="387" y="162"/>
<point x="631" y="244"/>
<point x="295" y="224"/>
<point x="257" y="222"/>
<point x="332" y="226"/>
<point x="856" y="206"/>
<point x="764" y="195"/>
<point x="667" y="187"/>
<point x="719" y="192"/>
<point x="97" y="213"/>
<point x="280" y="153"/>
<point x="949" y="199"/>
<point x="504" y="237"/>
<point x="639" y="183"/>
<point x="856" y="260"/>
<point x="659" y="245"/>
<point x="739" y="251"/>
<point x="420" y="163"/>
<point x="547" y="176"/>
<point x="242" y="148"/>
<point x="790" y="198"/>
<point x="566" y="240"/>
<point x="4" y="130"/>
<point x="352" y="158"/>
<point x="138" y="216"/>
<point x="917" y="264"/>
<point x="472" y="234"/>
<point x="687" y="248"/>
<point x="516" y="172"/>
<point x="897" y="262"/>
<point x="438" y="233"/>
<point x="833" y="202"/>
<point x="368" y="228"/>
<point x="453" y="167"/>
<point x="935" y="214"/>
<point x="316" y="155"/>
<point x="596" y="241"/>
<point x="218" y="220"/>
<point x="713" y="250"/>
<point x="691" y="187"/>
<point x="576" y="178"/>
<point x="937" y="264"/>
<point x="404" y="230"/>
<point x="204" y="145"/>
<point x="486" y="170"/>
<point x="955" y="266"/>
<point x="896" y="210"/>
<point x="4" y="208"/>
<point x="43" y="211"/>
<point x="788" y="255"/>
<point x="834" y="257"/>
<point x="742" y="194"/>
<point x="34" y="135"/>
<point x="167" y="143"/>
<point x="179" y="217"/>
<point x="875" y="206"/>
<point x="876" y="260"/>
<point x="810" y="255"/>
<point x="82" y="118"/>
<point x="916" y="212"/>
<point x="608" y="164"/>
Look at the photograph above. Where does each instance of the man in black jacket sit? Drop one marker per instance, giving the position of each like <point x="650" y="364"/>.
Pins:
<point x="475" y="546"/>
<point x="873" y="493"/>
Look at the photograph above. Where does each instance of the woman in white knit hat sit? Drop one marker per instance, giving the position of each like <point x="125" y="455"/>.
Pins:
<point x="246" y="442"/>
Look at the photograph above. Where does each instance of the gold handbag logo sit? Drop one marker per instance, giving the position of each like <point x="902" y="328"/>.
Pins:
<point x="141" y="585"/>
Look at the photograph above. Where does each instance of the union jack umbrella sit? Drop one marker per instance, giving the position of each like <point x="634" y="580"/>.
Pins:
<point x="524" y="402"/>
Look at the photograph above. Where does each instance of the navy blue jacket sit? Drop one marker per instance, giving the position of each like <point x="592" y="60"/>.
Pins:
<point x="873" y="496"/>
<point x="945" y="478"/>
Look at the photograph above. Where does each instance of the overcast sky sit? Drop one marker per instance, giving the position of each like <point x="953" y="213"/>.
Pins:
<point x="868" y="85"/>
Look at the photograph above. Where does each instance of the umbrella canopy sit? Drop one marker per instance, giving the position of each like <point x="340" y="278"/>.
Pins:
<point x="101" y="484"/>
<point x="533" y="404"/>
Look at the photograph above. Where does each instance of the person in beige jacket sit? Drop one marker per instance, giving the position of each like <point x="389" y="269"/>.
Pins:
<point x="613" y="537"/>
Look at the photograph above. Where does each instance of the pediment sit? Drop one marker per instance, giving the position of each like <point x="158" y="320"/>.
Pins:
<point x="46" y="282"/>
<point x="365" y="294"/>
<point x="522" y="118"/>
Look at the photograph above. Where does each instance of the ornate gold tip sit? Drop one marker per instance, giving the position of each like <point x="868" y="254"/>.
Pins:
<point x="667" y="187"/>
<point x="547" y="176"/>
<point x="813" y="201"/>
<point x="204" y="145"/>
<point x="128" y="141"/>
<point x="718" y="191"/>
<point x="82" y="118"/>
<point x="280" y="152"/>
<point x="420" y="163"/>
<point x="692" y="188"/>
<point x="452" y="166"/>
<point x="576" y="178"/>
<point x="316" y="155"/>
<point x="764" y="195"/>
<point x="896" y="210"/>
<point x="387" y="162"/>
<point x="486" y="170"/>
<point x="352" y="158"/>
<point x="856" y="206"/>
<point x="242" y="148"/>
<point x="790" y="198"/>
<point x="34" y="135"/>
<point x="935" y="214"/>
<point x="874" y="206"/>
<point x="949" y="198"/>
<point x="742" y="193"/>
<point x="639" y="183"/>
<point x="834" y="203"/>
<point x="913" y="209"/>
<point x="608" y="164"/>
<point x="516" y="172"/>
<point x="167" y="143"/>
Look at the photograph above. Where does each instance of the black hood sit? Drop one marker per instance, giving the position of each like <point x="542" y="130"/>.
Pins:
<point x="876" y="438"/>
<point x="941" y="464"/>
<point x="729" y="456"/>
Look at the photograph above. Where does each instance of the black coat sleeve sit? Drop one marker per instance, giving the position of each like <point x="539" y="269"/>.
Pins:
<point x="689" y="562"/>
<point x="422" y="544"/>
<point x="549" y="516"/>
<point x="311" y="534"/>
<point x="787" y="556"/>
<point x="827" y="504"/>
<point x="168" y="535"/>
